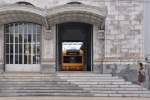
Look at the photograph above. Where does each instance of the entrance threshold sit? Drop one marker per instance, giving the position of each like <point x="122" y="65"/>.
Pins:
<point x="74" y="72"/>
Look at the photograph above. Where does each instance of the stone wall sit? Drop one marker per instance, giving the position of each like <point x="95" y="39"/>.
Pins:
<point x="124" y="30"/>
<point x="52" y="3"/>
<point x="122" y="40"/>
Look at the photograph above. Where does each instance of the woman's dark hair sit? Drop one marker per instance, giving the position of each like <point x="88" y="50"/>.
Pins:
<point x="140" y="64"/>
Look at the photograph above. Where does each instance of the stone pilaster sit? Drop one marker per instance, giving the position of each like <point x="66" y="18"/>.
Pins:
<point x="48" y="51"/>
<point x="1" y="48"/>
<point x="98" y="48"/>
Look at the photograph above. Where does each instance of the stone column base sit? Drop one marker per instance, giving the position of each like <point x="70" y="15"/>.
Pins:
<point x="98" y="68"/>
<point x="1" y="68"/>
<point x="48" y="68"/>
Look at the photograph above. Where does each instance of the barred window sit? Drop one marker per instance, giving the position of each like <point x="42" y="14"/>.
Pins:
<point x="22" y="43"/>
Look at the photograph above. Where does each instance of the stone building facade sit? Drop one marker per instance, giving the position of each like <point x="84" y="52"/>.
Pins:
<point x="116" y="37"/>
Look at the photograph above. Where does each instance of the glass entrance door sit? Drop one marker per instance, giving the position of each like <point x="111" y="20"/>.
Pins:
<point x="22" y="46"/>
<point x="72" y="56"/>
<point x="74" y="46"/>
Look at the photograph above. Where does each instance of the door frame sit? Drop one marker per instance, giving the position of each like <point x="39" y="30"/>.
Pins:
<point x="57" y="47"/>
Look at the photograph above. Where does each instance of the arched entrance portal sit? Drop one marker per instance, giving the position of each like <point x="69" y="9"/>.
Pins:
<point x="74" y="46"/>
<point x="73" y="32"/>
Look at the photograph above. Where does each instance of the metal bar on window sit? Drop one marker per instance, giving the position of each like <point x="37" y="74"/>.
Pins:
<point x="32" y="44"/>
<point x="18" y="26"/>
<point x="9" y="44"/>
<point x="27" y="48"/>
<point x="13" y="33"/>
<point x="23" y="32"/>
<point x="36" y="45"/>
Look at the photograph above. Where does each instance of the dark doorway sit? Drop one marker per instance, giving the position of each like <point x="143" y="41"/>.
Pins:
<point x="74" y="46"/>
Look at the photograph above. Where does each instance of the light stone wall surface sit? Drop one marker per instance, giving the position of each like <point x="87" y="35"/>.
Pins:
<point x="124" y="30"/>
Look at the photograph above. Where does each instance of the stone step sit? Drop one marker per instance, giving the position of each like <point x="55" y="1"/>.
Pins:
<point x="136" y="86"/>
<point x="13" y="77"/>
<point x="38" y="88"/>
<point x="109" y="86"/>
<point x="75" y="94"/>
<point x="72" y="88"/>
<point x="38" y="85"/>
<point x="54" y="85"/>
<point x="93" y="78"/>
<point x="73" y="80"/>
<point x="43" y="91"/>
<point x="84" y="75"/>
<point x="134" y="92"/>
<point x="53" y="77"/>
<point x="122" y="95"/>
<point x="63" y="80"/>
<point x="115" y="89"/>
<point x="58" y="74"/>
<point x="46" y="94"/>
<point x="29" y="78"/>
<point x="56" y="78"/>
<point x="101" y="82"/>
<point x="34" y="83"/>
<point x="27" y="75"/>
<point x="120" y="92"/>
<point x="24" y="80"/>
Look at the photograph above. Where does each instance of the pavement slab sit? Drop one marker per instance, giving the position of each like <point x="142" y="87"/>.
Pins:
<point x="72" y="98"/>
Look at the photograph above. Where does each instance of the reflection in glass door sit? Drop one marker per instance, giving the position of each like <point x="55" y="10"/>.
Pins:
<point x="72" y="56"/>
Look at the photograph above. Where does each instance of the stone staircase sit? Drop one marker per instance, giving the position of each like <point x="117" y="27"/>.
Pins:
<point x="68" y="84"/>
<point x="38" y="85"/>
<point x="105" y="85"/>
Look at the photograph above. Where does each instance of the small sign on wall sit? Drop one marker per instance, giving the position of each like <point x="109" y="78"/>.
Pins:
<point x="48" y="34"/>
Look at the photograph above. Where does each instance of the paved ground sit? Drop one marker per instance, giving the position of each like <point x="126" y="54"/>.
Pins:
<point x="71" y="98"/>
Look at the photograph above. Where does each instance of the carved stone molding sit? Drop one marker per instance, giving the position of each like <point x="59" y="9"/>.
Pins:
<point x="25" y="8"/>
<point x="77" y="13"/>
<point x="102" y="10"/>
<point x="13" y="13"/>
